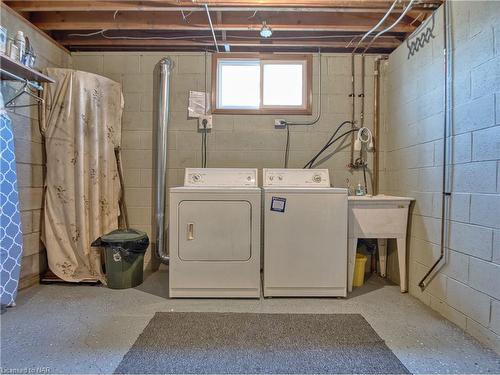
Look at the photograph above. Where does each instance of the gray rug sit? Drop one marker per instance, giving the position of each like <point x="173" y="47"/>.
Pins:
<point x="218" y="343"/>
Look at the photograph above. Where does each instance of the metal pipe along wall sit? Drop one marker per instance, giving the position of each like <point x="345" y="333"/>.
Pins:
<point x="162" y="75"/>
<point x="447" y="123"/>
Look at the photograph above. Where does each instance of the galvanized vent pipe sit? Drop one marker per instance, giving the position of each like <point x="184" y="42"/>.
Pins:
<point x="162" y="76"/>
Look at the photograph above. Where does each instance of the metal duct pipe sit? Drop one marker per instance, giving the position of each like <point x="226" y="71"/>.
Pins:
<point x="160" y="124"/>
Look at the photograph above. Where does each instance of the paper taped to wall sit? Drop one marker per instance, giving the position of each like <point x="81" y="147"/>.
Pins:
<point x="197" y="101"/>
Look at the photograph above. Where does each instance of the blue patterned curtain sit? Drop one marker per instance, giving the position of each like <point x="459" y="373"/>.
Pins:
<point x="11" y="237"/>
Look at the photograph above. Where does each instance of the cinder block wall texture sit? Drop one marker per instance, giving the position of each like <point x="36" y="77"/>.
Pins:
<point x="236" y="140"/>
<point x="29" y="151"/>
<point x="466" y="290"/>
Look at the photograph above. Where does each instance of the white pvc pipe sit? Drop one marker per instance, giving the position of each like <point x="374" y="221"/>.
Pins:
<point x="376" y="26"/>
<point x="407" y="9"/>
<point x="212" y="28"/>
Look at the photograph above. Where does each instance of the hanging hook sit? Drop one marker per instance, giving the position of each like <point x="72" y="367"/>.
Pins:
<point x="24" y="90"/>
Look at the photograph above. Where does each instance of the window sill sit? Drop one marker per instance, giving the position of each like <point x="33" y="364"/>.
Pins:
<point x="264" y="111"/>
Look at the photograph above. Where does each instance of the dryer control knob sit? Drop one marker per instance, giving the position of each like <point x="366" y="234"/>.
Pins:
<point x="317" y="178"/>
<point x="196" y="177"/>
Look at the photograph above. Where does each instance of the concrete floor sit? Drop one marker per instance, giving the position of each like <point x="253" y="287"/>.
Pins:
<point x="88" y="329"/>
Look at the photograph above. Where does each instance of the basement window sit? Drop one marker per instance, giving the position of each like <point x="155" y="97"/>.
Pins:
<point x="261" y="84"/>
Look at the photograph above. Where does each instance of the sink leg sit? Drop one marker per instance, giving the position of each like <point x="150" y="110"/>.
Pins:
<point x="382" y="255"/>
<point x="353" y="244"/>
<point x="401" y="242"/>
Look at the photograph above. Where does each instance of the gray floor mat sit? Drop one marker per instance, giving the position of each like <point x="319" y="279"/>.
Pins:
<point x="218" y="343"/>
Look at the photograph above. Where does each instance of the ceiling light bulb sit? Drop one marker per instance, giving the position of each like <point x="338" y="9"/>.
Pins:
<point x="265" y="31"/>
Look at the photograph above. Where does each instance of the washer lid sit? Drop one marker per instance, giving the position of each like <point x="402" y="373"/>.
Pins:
<point x="214" y="177"/>
<point x="311" y="178"/>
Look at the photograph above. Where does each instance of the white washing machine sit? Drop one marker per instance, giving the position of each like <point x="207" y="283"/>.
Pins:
<point x="214" y="234"/>
<point x="305" y="234"/>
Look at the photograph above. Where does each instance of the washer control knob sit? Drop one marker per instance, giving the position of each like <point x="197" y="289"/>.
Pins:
<point x="280" y="178"/>
<point x="271" y="178"/>
<point x="196" y="177"/>
<point x="249" y="178"/>
<point x="317" y="178"/>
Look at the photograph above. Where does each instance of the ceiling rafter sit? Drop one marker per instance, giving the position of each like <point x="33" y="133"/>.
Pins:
<point x="150" y="20"/>
<point x="233" y="42"/>
<point x="148" y="6"/>
<point x="198" y="21"/>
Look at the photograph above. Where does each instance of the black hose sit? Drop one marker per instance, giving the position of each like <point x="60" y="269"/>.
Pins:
<point x="202" y="151"/>
<point x="329" y="143"/>
<point x="206" y="161"/>
<point x="364" y="178"/>
<point x="204" y="147"/>
<point x="311" y="162"/>
<point x="287" y="147"/>
<point x="204" y="140"/>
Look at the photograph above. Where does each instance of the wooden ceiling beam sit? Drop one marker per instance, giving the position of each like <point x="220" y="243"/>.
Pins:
<point x="352" y="22"/>
<point x="100" y="6"/>
<point x="73" y="42"/>
<point x="275" y="49"/>
<point x="306" y="3"/>
<point x="163" y="18"/>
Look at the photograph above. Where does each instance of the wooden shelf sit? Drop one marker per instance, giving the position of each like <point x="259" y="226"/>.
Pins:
<point x="14" y="67"/>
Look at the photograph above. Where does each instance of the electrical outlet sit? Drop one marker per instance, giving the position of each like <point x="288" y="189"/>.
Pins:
<point x="279" y="123"/>
<point x="205" y="122"/>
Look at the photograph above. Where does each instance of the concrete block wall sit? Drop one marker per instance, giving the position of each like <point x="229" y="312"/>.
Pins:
<point x="466" y="289"/>
<point x="236" y="140"/>
<point x="29" y="151"/>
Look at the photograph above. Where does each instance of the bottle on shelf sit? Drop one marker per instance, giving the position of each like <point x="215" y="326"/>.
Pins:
<point x="21" y="44"/>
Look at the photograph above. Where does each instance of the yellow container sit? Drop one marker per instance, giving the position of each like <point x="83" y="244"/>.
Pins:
<point x="359" y="270"/>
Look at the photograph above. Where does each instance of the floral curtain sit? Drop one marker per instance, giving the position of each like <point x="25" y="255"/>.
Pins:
<point x="81" y="123"/>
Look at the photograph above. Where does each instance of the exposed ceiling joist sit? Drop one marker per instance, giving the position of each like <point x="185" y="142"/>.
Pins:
<point x="388" y="44"/>
<point x="198" y="21"/>
<point x="148" y="6"/>
<point x="183" y="24"/>
<point x="306" y="3"/>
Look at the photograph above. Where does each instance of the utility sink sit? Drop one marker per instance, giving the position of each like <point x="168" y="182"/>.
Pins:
<point x="382" y="217"/>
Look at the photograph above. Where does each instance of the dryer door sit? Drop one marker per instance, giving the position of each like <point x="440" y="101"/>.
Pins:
<point x="215" y="230"/>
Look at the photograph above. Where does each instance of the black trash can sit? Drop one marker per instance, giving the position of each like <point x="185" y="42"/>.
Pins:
<point x="124" y="257"/>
